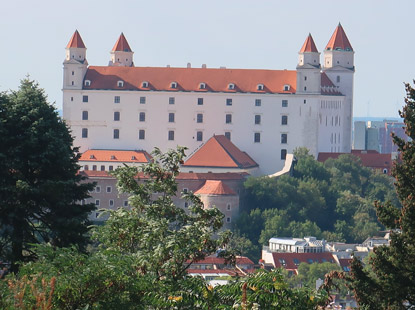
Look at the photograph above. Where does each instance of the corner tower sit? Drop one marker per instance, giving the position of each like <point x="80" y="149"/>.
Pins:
<point x="308" y="68"/>
<point x="339" y="67"/>
<point x="75" y="63"/>
<point x="121" y="54"/>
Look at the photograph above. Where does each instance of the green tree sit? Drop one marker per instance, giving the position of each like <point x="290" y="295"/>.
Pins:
<point x="387" y="281"/>
<point x="40" y="189"/>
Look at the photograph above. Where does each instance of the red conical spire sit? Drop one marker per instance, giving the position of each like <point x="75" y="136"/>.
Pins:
<point x="121" y="45"/>
<point x="309" y="46"/>
<point x="76" y="41"/>
<point x="339" y="40"/>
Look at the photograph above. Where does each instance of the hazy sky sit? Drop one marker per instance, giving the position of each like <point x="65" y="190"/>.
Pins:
<point x="232" y="33"/>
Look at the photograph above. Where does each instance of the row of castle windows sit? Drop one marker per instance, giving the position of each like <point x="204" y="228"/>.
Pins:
<point x="174" y="85"/>
<point x="199" y="117"/>
<point x="172" y="100"/>
<point x="330" y="104"/>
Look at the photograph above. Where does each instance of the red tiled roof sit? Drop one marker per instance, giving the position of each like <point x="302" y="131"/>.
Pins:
<point x="215" y="188"/>
<point x="219" y="151"/>
<point x="309" y="46"/>
<point x="288" y="258"/>
<point x="121" y="45"/>
<point x="240" y="260"/>
<point x="116" y="156"/>
<point x="76" y="41"/>
<point x="371" y="159"/>
<point x="212" y="271"/>
<point x="189" y="79"/>
<point x="327" y="86"/>
<point x="344" y="262"/>
<point x="339" y="40"/>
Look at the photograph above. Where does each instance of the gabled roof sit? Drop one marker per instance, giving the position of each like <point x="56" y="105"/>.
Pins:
<point x="189" y="79"/>
<point x="309" y="46"/>
<point x="212" y="187"/>
<point x="116" y="156"/>
<point x="220" y="152"/>
<point x="121" y="45"/>
<point x="339" y="40"/>
<point x="76" y="41"/>
<point x="292" y="260"/>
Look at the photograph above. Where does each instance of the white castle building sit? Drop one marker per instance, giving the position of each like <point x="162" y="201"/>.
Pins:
<point x="265" y="113"/>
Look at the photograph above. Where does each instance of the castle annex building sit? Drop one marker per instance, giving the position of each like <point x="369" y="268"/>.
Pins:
<point x="265" y="113"/>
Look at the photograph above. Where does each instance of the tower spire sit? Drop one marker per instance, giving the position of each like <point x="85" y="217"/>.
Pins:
<point x="121" y="53"/>
<point x="339" y="40"/>
<point x="76" y="41"/>
<point x="309" y="46"/>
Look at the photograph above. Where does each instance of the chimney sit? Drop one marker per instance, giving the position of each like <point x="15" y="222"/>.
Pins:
<point x="189" y="65"/>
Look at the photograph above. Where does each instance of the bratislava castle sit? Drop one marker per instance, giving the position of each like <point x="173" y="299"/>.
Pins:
<point x="265" y="113"/>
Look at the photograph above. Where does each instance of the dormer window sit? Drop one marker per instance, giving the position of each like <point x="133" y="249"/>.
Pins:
<point x="120" y="83"/>
<point x="112" y="157"/>
<point x="231" y="86"/>
<point x="202" y="86"/>
<point x="286" y="87"/>
<point x="144" y="84"/>
<point x="91" y="156"/>
<point x="133" y="158"/>
<point x="87" y="83"/>
<point x="260" y="87"/>
<point x="173" y="85"/>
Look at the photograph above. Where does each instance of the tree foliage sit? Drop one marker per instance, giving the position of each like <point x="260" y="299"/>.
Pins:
<point x="388" y="280"/>
<point x="40" y="190"/>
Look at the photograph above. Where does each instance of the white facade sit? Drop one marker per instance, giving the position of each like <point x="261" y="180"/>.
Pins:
<point x="317" y="117"/>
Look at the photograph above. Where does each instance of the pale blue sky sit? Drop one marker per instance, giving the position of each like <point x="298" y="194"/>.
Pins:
<point x="232" y="33"/>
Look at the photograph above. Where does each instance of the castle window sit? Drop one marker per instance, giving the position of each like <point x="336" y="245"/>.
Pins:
<point x="284" y="103"/>
<point x="142" y="117"/>
<point x="98" y="189"/>
<point x="84" y="115"/>
<point x="116" y="116"/>
<point x="109" y="189"/>
<point x="171" y="117"/>
<point x="86" y="167"/>
<point x="141" y="134"/>
<point x="283" y="154"/>
<point x="257" y="119"/>
<point x="229" y="101"/>
<point x="231" y="86"/>
<point x="257" y="137"/>
<point x="72" y="83"/>
<point x="87" y="83"/>
<point x="171" y="100"/>
<point x="202" y="86"/>
<point x="111" y="202"/>
<point x="228" y="135"/>
<point x="71" y="98"/>
<point x="120" y="84"/>
<point x="142" y="100"/>
<point x="110" y="168"/>
<point x="84" y="98"/>
<point x="257" y="102"/>
<point x="305" y="88"/>
<point x="199" y="136"/>
<point x="94" y="167"/>
<point x="228" y="118"/>
<point x="84" y="132"/>
<point x="117" y="99"/>
<point x="199" y="101"/>
<point x="144" y="84"/>
<point x="286" y="87"/>
<point x="97" y="203"/>
<point x="199" y="118"/>
<point x="73" y="73"/>
<point x="385" y="171"/>
<point x="305" y="101"/>
<point x="260" y="87"/>
<point x="338" y="79"/>
<point x="116" y="134"/>
<point x="228" y="207"/>
<point x="171" y="135"/>
<point x="125" y="203"/>
<point x="186" y="204"/>
<point x="284" y="120"/>
<point x="284" y="138"/>
<point x="228" y="220"/>
<point x="305" y="78"/>
<point x="102" y="168"/>
<point x="173" y="85"/>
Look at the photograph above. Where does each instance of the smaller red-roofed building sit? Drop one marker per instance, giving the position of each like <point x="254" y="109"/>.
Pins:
<point x="219" y="154"/>
<point x="108" y="160"/>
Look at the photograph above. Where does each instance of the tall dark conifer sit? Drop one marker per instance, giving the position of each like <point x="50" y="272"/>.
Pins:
<point x="388" y="281"/>
<point x="40" y="190"/>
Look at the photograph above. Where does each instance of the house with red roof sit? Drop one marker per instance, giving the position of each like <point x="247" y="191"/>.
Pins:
<point x="263" y="114"/>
